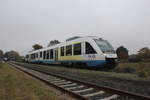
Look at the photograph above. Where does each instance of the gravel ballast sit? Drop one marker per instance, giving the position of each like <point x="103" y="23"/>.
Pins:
<point x="128" y="82"/>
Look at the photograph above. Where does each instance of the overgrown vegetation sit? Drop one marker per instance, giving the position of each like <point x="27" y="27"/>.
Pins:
<point x="14" y="85"/>
<point x="125" y="70"/>
<point x="1" y="64"/>
<point x="142" y="69"/>
<point x="95" y="73"/>
<point x="135" y="64"/>
<point x="142" y="73"/>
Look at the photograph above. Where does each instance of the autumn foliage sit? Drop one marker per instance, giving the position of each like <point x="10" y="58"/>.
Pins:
<point x="144" y="53"/>
<point x="1" y="53"/>
<point x="12" y="55"/>
<point x="122" y="53"/>
<point x="37" y="46"/>
<point x="53" y="42"/>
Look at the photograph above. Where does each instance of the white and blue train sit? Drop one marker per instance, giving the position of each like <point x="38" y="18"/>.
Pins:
<point x="91" y="51"/>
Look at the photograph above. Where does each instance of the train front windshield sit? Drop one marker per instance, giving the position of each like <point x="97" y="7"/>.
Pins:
<point x="105" y="46"/>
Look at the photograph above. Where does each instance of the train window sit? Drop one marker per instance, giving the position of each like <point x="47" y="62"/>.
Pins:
<point x="36" y="55"/>
<point x="33" y="56"/>
<point x="77" y="49"/>
<point x="62" y="51"/>
<point x="51" y="54"/>
<point x="41" y="54"/>
<point x="47" y="54"/>
<point x="89" y="49"/>
<point x="69" y="50"/>
<point x="44" y="55"/>
<point x="27" y="56"/>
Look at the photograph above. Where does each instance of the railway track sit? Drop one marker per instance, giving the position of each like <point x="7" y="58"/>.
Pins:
<point x="80" y="89"/>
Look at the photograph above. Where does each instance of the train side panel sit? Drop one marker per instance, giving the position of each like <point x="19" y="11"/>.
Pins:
<point x="97" y="59"/>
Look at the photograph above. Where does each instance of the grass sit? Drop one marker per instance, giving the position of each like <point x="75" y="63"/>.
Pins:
<point x="89" y="73"/>
<point x="125" y="81"/>
<point x="134" y="68"/>
<point x="1" y="64"/>
<point x="15" y="85"/>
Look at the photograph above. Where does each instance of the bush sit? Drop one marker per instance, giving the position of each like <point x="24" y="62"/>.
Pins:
<point x="145" y="60"/>
<point x="128" y="70"/>
<point x="134" y="58"/>
<point x="143" y="74"/>
<point x="125" y="70"/>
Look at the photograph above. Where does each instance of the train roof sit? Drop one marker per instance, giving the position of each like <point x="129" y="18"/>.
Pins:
<point x="68" y="41"/>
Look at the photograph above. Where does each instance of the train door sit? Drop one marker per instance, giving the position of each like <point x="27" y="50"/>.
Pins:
<point x="56" y="54"/>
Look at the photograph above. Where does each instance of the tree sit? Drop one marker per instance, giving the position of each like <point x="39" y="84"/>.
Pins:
<point x="134" y="58"/>
<point x="144" y="52"/>
<point x="1" y="54"/>
<point x="122" y="52"/>
<point x="53" y="42"/>
<point x="12" y="55"/>
<point x="37" y="46"/>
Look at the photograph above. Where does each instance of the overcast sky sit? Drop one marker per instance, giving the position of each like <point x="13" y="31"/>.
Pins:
<point x="121" y="22"/>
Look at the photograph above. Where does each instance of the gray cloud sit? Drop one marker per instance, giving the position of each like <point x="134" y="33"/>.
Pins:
<point x="25" y="22"/>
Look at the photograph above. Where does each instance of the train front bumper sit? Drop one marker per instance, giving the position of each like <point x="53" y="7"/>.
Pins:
<point x="111" y="60"/>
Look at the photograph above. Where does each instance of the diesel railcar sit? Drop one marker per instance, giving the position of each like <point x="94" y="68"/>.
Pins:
<point x="91" y="51"/>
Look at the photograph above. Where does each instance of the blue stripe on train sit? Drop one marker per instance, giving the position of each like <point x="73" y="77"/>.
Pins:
<point x="94" y="63"/>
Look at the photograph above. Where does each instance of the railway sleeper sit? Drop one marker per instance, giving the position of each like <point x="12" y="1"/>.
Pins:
<point x="93" y="94"/>
<point x="58" y="81"/>
<point x="84" y="90"/>
<point x="75" y="87"/>
<point x="87" y="92"/>
<point x="66" y="85"/>
<point x="63" y="83"/>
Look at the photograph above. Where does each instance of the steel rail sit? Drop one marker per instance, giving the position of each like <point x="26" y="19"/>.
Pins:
<point x="122" y="93"/>
<point x="75" y="95"/>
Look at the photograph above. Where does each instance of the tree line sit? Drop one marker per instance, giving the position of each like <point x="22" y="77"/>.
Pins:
<point x="14" y="55"/>
<point x="142" y="55"/>
<point x="122" y="53"/>
<point x="10" y="55"/>
<point x="51" y="43"/>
